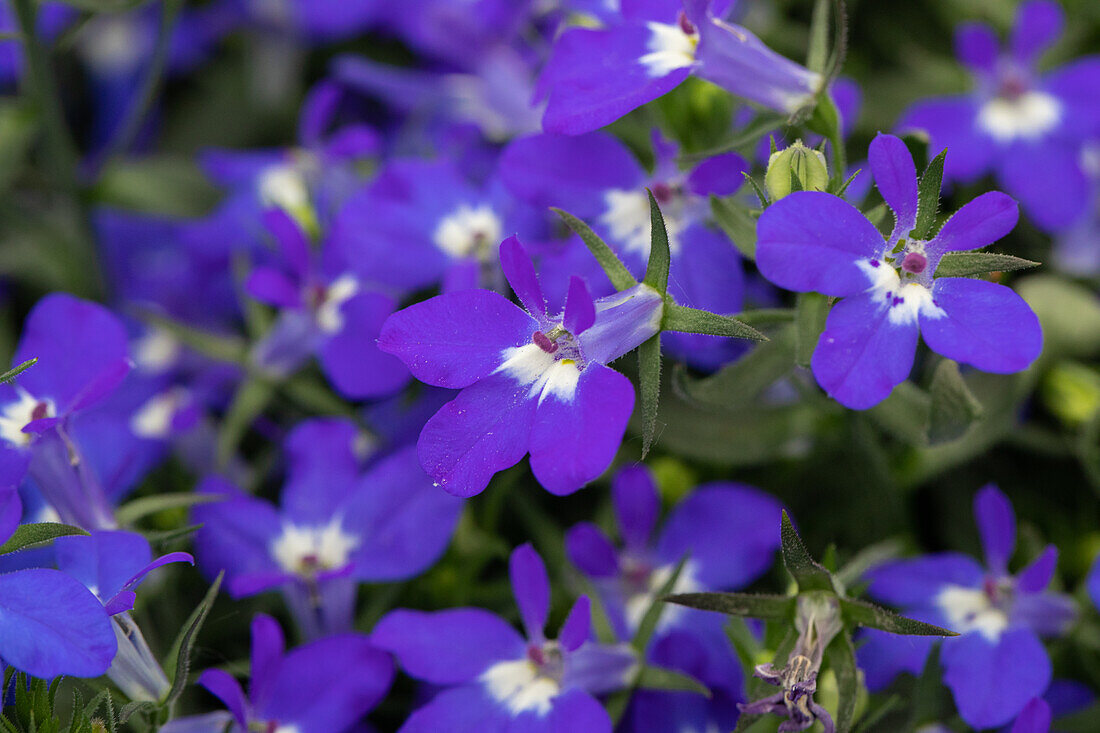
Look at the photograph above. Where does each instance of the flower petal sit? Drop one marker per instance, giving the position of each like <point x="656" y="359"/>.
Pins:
<point x="882" y="656"/>
<point x="589" y="549"/>
<point x="520" y="272"/>
<point x="951" y="123"/>
<point x="1039" y="23"/>
<point x="447" y="647"/>
<point x="578" y="625"/>
<point x="531" y="587"/>
<point x="997" y="526"/>
<point x="982" y="324"/>
<point x="455" y="339"/>
<point x="991" y="682"/>
<point x="465" y="709"/>
<point x="813" y="241"/>
<point x="976" y="45"/>
<point x="1038" y="573"/>
<point x="1034" y="718"/>
<point x="637" y="504"/>
<point x="896" y="178"/>
<point x="980" y="222"/>
<point x="1048" y="180"/>
<point x="864" y="351"/>
<point x="575" y="436"/>
<point x="268" y="646"/>
<point x="917" y="581"/>
<point x="292" y="241"/>
<point x="580" y="309"/>
<point x="352" y="359"/>
<point x="486" y="429"/>
<point x="322" y="469"/>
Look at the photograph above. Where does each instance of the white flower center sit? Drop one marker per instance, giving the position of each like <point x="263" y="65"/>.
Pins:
<point x="308" y="550"/>
<point x="113" y="44"/>
<point x="14" y="416"/>
<point x="153" y="420"/>
<point x="906" y="302"/>
<point x="519" y="686"/>
<point x="639" y="602"/>
<point x="469" y="231"/>
<point x="669" y="47"/>
<point x="329" y="315"/>
<point x="1029" y="116"/>
<point x="157" y="351"/>
<point x="285" y="187"/>
<point x="970" y="609"/>
<point x="546" y="374"/>
<point x="628" y="220"/>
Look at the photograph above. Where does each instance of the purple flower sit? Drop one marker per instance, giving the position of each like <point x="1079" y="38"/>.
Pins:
<point x="595" y="76"/>
<point x="812" y="241"/>
<point x="1025" y="127"/>
<point x="111" y="565"/>
<point x="595" y="177"/>
<point x="323" y="310"/>
<point x="1092" y="583"/>
<point x="530" y="382"/>
<point x="998" y="663"/>
<point x="493" y="678"/>
<point x="82" y="356"/>
<point x="325" y="686"/>
<point x="50" y="623"/>
<point x="726" y="531"/>
<point x="337" y="526"/>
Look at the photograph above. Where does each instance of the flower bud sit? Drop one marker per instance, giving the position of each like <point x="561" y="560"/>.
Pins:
<point x="1072" y="392"/>
<point x="807" y="164"/>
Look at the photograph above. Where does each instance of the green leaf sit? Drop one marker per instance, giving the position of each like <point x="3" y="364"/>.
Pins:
<point x="928" y="201"/>
<point x="160" y="184"/>
<point x="132" y="708"/>
<point x="648" y="625"/>
<point x="964" y="264"/>
<point x="807" y="573"/>
<point x="905" y="414"/>
<point x="751" y="605"/>
<point x="29" y="535"/>
<point x="662" y="678"/>
<point x="741" y="381"/>
<point x="19" y="123"/>
<point x="162" y="539"/>
<point x="954" y="406"/>
<point x="14" y="372"/>
<point x="761" y="195"/>
<point x="917" y="141"/>
<point x="222" y="348"/>
<point x="649" y="384"/>
<point x="811" y="310"/>
<point x="929" y="699"/>
<point x="179" y="657"/>
<point x="249" y="402"/>
<point x="656" y="271"/>
<point x="841" y="657"/>
<point x="1068" y="312"/>
<point x="134" y="510"/>
<point x="616" y="271"/>
<point x="862" y="613"/>
<point x="692" y="320"/>
<point x="737" y="221"/>
<point x="762" y="124"/>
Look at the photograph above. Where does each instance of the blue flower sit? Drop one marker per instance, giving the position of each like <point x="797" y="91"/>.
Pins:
<point x="531" y="381"/>
<point x="1025" y="127"/>
<point x="812" y="241"/>
<point x="325" y="686"/>
<point x="595" y="76"/>
<point x="494" y="679"/>
<point x="998" y="662"/>
<point x="726" y="531"/>
<point x="595" y="177"/>
<point x="337" y="526"/>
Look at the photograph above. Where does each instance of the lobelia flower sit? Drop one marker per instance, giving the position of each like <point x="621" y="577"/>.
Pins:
<point x="323" y="310"/>
<point x="50" y="623"/>
<point x="1025" y="127"/>
<point x="111" y="565"/>
<point x="1092" y="582"/>
<point x="82" y="354"/>
<point x="595" y="76"/>
<point x="530" y="382"/>
<point x="596" y="178"/>
<point x="337" y="526"/>
<point x="325" y="686"/>
<point x="813" y="241"/>
<point x="998" y="663"/>
<point x="726" y="532"/>
<point x="496" y="680"/>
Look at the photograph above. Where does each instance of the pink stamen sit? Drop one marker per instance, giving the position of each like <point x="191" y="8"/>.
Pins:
<point x="687" y="27"/>
<point x="543" y="342"/>
<point x="914" y="262"/>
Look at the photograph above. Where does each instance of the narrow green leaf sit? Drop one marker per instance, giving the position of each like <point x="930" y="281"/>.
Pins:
<point x="249" y="402"/>
<point x="132" y="708"/>
<point x="964" y="264"/>
<point x="134" y="510"/>
<point x="221" y="348"/>
<point x="750" y="605"/>
<point x="928" y="201"/>
<point x="14" y="372"/>
<point x="762" y="317"/>
<point x="162" y="539"/>
<point x="692" y="320"/>
<point x="648" y="625"/>
<point x="762" y="124"/>
<point x="744" y="642"/>
<point x="662" y="678"/>
<point x="179" y="657"/>
<point x="841" y="657"/>
<point x="811" y="310"/>
<point x="656" y="271"/>
<point x="741" y="381"/>
<point x="616" y="271"/>
<point x="29" y="535"/>
<point x="737" y="221"/>
<point x="862" y="613"/>
<point x="761" y="196"/>
<point x="649" y="384"/>
<point x="954" y="406"/>
<point x="818" y="54"/>
<point x="847" y="182"/>
<point x="870" y="720"/>
<point x="807" y="573"/>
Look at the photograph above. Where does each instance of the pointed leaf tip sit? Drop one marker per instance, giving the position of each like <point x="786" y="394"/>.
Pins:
<point x="616" y="271"/>
<point x="660" y="257"/>
<point x="808" y="574"/>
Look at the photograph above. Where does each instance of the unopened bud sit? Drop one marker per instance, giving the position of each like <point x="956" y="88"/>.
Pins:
<point x="795" y="163"/>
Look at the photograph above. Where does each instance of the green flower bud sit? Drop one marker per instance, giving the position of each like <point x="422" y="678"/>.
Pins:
<point x="796" y="162"/>
<point x="1072" y="392"/>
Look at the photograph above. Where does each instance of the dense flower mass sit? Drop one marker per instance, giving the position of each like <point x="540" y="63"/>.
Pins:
<point x="321" y="313"/>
